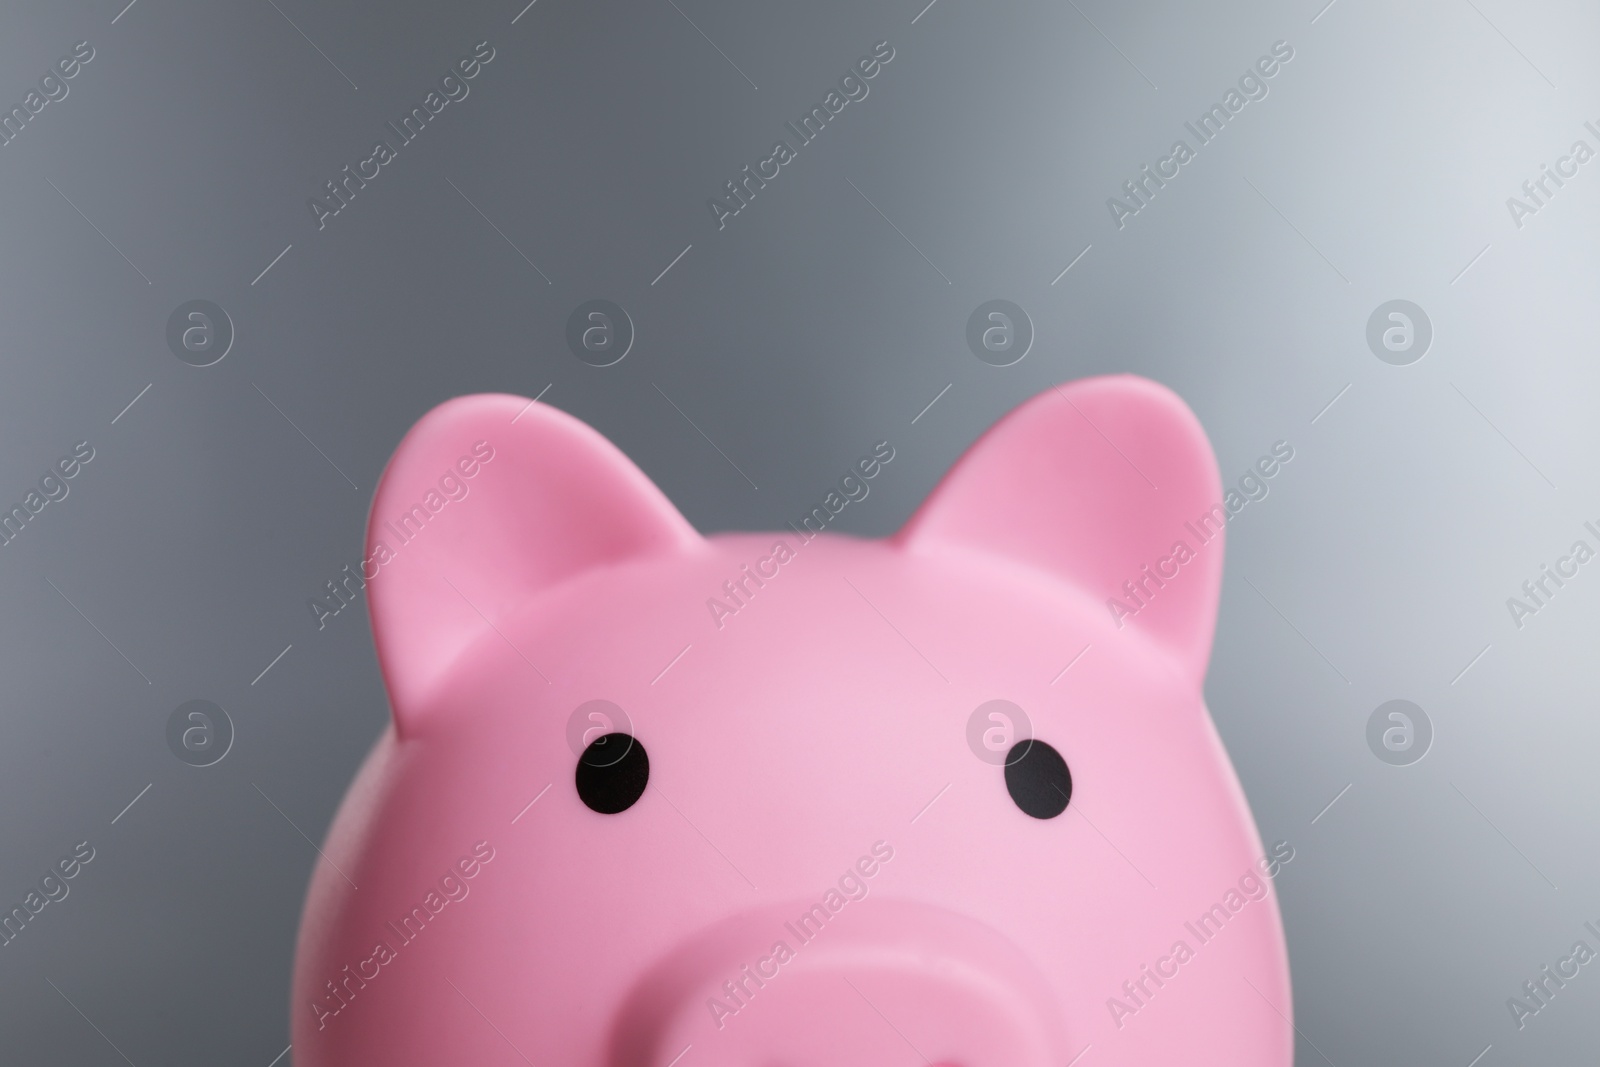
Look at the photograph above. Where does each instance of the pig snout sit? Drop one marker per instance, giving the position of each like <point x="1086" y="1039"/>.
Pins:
<point x="878" y="983"/>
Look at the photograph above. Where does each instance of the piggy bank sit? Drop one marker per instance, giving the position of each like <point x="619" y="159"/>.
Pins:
<point x="797" y="799"/>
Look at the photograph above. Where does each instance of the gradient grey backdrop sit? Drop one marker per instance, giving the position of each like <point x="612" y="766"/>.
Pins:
<point x="1377" y="168"/>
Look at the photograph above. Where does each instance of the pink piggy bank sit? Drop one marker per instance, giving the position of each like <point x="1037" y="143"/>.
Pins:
<point x="797" y="799"/>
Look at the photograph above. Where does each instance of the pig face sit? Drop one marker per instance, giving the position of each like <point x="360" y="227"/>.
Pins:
<point x="947" y="799"/>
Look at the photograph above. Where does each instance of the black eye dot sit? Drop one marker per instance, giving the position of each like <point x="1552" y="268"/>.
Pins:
<point x="1037" y="779"/>
<point x="612" y="773"/>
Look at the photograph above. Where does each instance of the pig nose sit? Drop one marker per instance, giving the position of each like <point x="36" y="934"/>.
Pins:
<point x="878" y="983"/>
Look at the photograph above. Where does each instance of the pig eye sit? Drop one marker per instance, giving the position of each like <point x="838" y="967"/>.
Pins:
<point x="612" y="773"/>
<point x="1037" y="779"/>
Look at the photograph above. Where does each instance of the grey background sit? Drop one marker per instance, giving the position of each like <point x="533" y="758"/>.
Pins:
<point x="1377" y="168"/>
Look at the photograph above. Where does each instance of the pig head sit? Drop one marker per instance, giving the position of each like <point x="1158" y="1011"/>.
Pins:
<point x="951" y="798"/>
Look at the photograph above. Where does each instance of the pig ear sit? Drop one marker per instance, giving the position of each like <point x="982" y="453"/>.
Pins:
<point x="545" y="498"/>
<point x="1090" y="482"/>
